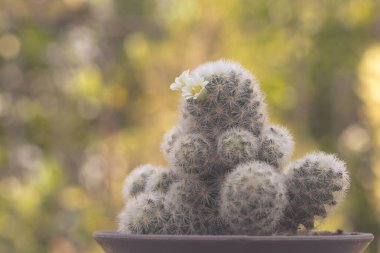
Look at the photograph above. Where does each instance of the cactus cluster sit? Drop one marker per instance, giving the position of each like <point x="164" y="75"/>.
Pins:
<point x="228" y="169"/>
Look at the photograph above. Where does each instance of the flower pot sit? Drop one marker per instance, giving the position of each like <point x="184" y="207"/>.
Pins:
<point x="113" y="242"/>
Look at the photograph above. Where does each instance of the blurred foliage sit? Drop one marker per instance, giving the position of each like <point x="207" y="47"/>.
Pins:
<point x="84" y="99"/>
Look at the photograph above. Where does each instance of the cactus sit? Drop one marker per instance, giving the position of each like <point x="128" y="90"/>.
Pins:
<point x="161" y="180"/>
<point x="236" y="146"/>
<point x="137" y="180"/>
<point x="168" y="141"/>
<point x="228" y="170"/>
<point x="253" y="199"/>
<point x="188" y="201"/>
<point x="190" y="153"/>
<point x="276" y="146"/>
<point x="314" y="183"/>
<point x="145" y="214"/>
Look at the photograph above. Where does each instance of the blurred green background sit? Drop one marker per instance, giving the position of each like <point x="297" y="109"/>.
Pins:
<point x="84" y="98"/>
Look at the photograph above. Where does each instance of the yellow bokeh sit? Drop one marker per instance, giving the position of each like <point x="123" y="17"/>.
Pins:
<point x="9" y="46"/>
<point x="369" y="90"/>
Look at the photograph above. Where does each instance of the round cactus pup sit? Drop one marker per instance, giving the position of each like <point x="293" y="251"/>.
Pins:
<point x="162" y="180"/>
<point x="135" y="183"/>
<point x="169" y="140"/>
<point x="314" y="183"/>
<point x="252" y="199"/>
<point x="236" y="146"/>
<point x="191" y="153"/>
<point x="145" y="214"/>
<point x="276" y="146"/>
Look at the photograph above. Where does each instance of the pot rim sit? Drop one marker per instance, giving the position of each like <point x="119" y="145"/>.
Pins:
<point x="346" y="236"/>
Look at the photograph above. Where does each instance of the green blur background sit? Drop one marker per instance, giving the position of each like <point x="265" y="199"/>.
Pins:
<point x="84" y="98"/>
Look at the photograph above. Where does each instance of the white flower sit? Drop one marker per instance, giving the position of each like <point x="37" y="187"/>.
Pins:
<point x="191" y="86"/>
<point x="181" y="81"/>
<point x="194" y="87"/>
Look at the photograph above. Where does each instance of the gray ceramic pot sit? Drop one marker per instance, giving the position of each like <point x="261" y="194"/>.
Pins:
<point x="113" y="242"/>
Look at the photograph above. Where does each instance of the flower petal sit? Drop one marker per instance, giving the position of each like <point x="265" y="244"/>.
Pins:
<point x="191" y="85"/>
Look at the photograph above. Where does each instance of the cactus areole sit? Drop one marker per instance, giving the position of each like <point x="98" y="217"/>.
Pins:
<point x="228" y="169"/>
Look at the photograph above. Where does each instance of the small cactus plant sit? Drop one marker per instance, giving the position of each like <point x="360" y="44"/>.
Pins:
<point x="228" y="169"/>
